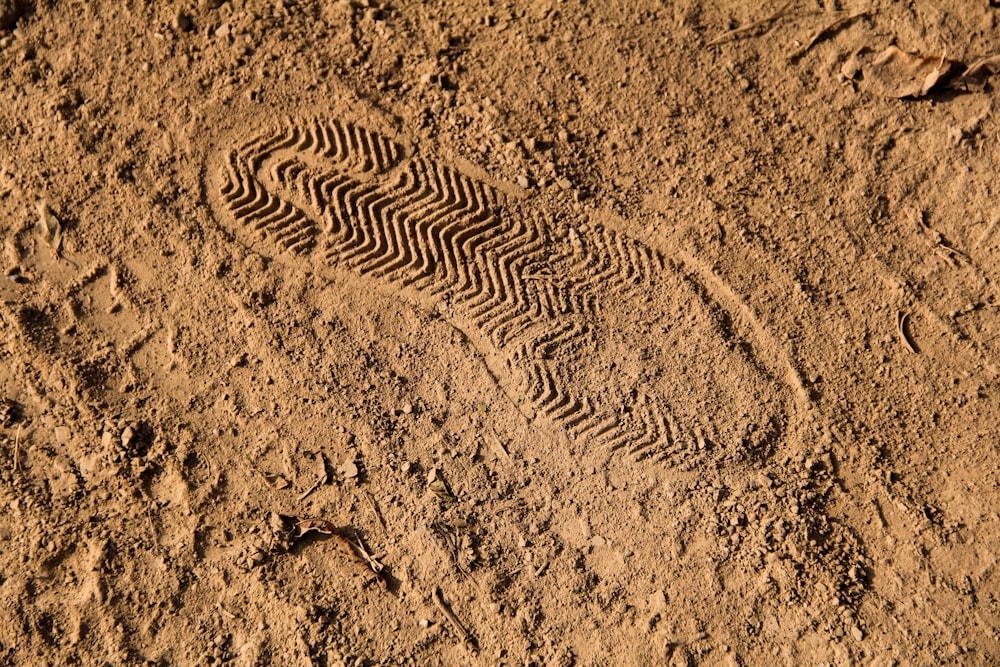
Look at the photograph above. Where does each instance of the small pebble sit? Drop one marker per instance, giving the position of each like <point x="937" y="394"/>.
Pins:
<point x="349" y="469"/>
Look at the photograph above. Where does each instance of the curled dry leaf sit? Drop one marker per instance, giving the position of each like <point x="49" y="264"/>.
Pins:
<point x="276" y="480"/>
<point x="974" y="78"/>
<point x="898" y="74"/>
<point x="895" y="73"/>
<point x="48" y="226"/>
<point x="902" y="322"/>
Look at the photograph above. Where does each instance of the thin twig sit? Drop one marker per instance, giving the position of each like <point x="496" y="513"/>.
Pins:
<point x="375" y="510"/>
<point x="17" y="449"/>
<point x="753" y="26"/>
<point x="463" y="634"/>
<point x="826" y="31"/>
<point x="319" y="482"/>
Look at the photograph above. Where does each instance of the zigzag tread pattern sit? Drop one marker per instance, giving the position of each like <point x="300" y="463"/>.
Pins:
<point x="342" y="195"/>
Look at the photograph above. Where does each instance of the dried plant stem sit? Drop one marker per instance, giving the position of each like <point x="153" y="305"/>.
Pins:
<point x="460" y="630"/>
<point x="753" y="26"/>
<point x="17" y="449"/>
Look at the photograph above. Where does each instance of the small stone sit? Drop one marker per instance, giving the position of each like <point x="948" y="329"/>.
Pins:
<point x="955" y="136"/>
<point x="523" y="181"/>
<point x="223" y="30"/>
<point x="563" y="135"/>
<point x="349" y="469"/>
<point x="407" y="408"/>
<point x="857" y="633"/>
<point x="128" y="434"/>
<point x="564" y="183"/>
<point x="424" y="623"/>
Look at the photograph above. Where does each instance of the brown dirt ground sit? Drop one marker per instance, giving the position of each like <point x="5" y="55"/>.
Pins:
<point x="688" y="354"/>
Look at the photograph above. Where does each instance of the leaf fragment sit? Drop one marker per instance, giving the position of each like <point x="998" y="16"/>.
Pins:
<point x="895" y="73"/>
<point x="48" y="227"/>
<point x="437" y="486"/>
<point x="974" y="78"/>
<point x="440" y="489"/>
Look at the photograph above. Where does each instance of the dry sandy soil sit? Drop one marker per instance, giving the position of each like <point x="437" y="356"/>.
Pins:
<point x="496" y="333"/>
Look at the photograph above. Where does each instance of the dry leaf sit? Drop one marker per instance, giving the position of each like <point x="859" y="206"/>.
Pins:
<point x="440" y="489"/>
<point x="898" y="74"/>
<point x="48" y="226"/>
<point x="276" y="480"/>
<point x="974" y="78"/>
<point x="319" y="525"/>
